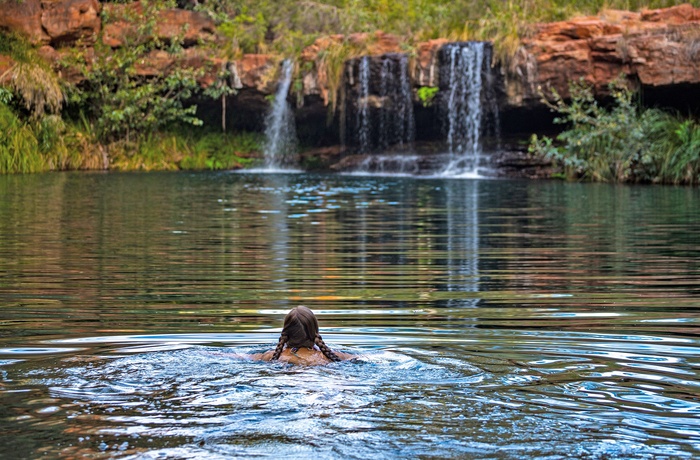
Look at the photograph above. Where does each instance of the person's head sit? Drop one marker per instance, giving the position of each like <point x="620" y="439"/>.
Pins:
<point x="301" y="330"/>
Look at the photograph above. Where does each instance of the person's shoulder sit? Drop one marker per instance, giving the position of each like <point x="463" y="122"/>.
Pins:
<point x="266" y="356"/>
<point x="344" y="356"/>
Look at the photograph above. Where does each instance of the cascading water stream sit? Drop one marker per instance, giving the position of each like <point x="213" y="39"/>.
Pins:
<point x="407" y="120"/>
<point x="382" y="113"/>
<point x="396" y="122"/>
<point x="363" y="107"/>
<point x="462" y="76"/>
<point x="280" y="132"/>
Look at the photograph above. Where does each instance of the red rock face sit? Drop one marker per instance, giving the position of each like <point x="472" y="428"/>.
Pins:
<point x="426" y="70"/>
<point x="23" y="18"/>
<point x="54" y="22"/>
<point x="121" y="28"/>
<point x="654" y="47"/>
<point x="70" y="21"/>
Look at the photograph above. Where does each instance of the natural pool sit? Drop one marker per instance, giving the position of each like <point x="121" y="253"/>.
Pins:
<point x="492" y="318"/>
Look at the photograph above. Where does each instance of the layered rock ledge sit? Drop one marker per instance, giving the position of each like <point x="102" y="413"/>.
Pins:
<point x="652" y="48"/>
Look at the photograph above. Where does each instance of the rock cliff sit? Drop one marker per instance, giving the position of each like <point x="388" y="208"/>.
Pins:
<point x="653" y="48"/>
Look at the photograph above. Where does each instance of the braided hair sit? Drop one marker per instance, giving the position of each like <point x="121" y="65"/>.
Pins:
<point x="301" y="330"/>
<point x="280" y="346"/>
<point x="327" y="352"/>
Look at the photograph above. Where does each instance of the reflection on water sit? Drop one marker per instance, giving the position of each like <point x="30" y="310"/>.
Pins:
<point x="490" y="319"/>
<point x="462" y="204"/>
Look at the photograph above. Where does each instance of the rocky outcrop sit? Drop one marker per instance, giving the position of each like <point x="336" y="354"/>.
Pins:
<point x="427" y="70"/>
<point x="320" y="73"/>
<point x="121" y="27"/>
<point x="53" y="22"/>
<point x="71" y="21"/>
<point x="23" y="18"/>
<point x="652" y="48"/>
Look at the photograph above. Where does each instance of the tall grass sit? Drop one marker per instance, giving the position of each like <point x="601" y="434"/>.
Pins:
<point x="19" y="148"/>
<point x="31" y="77"/>
<point x="177" y="150"/>
<point x="47" y="144"/>
<point x="332" y="64"/>
<point x="675" y="158"/>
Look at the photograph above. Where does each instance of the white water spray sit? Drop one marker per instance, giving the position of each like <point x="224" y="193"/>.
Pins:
<point x="363" y="106"/>
<point x="280" y="132"/>
<point x="466" y="61"/>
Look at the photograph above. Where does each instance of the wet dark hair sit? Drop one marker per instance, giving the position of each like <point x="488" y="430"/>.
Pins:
<point x="301" y="330"/>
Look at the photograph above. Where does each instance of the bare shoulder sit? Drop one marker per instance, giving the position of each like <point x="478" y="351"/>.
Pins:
<point x="344" y="356"/>
<point x="304" y="356"/>
<point x="267" y="356"/>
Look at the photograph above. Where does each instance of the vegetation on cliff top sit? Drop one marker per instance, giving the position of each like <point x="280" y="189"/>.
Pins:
<point x="286" y="26"/>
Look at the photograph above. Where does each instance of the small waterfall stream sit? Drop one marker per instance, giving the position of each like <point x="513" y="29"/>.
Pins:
<point x="465" y="79"/>
<point x="381" y="103"/>
<point x="363" y="131"/>
<point x="280" y="132"/>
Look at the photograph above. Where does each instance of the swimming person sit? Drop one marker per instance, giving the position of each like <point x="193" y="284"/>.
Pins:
<point x="300" y="342"/>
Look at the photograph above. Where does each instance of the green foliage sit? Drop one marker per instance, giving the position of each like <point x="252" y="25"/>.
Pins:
<point x="426" y="94"/>
<point x="185" y="150"/>
<point x="676" y="155"/>
<point x="245" y="31"/>
<point x="215" y="151"/>
<point x="622" y="143"/>
<point x="19" y="149"/>
<point x="5" y="96"/>
<point x="122" y="100"/>
<point x="35" y="146"/>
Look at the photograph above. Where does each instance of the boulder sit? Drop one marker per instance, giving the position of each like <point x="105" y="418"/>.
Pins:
<point x="71" y="21"/>
<point x="55" y="22"/>
<point x="23" y="18"/>
<point x="258" y="71"/>
<point x="122" y="26"/>
<point x="654" y="48"/>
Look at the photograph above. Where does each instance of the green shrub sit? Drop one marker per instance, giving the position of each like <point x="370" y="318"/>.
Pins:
<point x="621" y="143"/>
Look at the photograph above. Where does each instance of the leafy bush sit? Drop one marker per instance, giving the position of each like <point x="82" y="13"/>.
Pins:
<point x="121" y="102"/>
<point x="622" y="143"/>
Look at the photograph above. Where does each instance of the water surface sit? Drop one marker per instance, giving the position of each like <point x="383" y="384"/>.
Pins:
<point x="491" y="319"/>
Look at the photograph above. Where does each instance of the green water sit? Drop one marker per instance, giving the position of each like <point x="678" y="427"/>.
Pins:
<point x="491" y="318"/>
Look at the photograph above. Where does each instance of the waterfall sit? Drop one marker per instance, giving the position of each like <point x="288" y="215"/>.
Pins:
<point x="280" y="133"/>
<point x="396" y="123"/>
<point x="465" y="70"/>
<point x="380" y="87"/>
<point x="363" y="131"/>
<point x="406" y="119"/>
